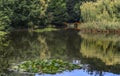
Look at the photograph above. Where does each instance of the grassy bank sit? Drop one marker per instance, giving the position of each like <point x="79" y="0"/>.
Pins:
<point x="100" y="27"/>
<point x="103" y="37"/>
<point x="102" y="15"/>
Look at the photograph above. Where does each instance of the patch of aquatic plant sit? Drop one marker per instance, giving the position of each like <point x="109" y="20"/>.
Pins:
<point x="45" y="66"/>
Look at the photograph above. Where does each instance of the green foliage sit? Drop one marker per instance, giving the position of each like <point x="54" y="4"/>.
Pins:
<point x="45" y="66"/>
<point x="4" y="21"/>
<point x="102" y="25"/>
<point x="102" y="14"/>
<point x="57" y="11"/>
<point x="36" y="13"/>
<point x="73" y="10"/>
<point x="25" y="13"/>
<point x="101" y="10"/>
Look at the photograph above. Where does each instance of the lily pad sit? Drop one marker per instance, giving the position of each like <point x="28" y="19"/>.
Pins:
<point x="45" y="66"/>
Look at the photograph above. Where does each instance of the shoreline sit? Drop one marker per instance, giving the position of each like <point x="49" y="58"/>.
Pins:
<point x="104" y="31"/>
<point x="83" y="30"/>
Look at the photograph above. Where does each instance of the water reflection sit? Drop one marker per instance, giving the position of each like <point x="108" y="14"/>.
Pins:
<point x="3" y="53"/>
<point x="99" y="54"/>
<point x="78" y="73"/>
<point x="106" y="49"/>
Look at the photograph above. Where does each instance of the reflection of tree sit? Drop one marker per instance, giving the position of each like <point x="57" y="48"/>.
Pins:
<point x="73" y="43"/>
<point x="63" y="44"/>
<point x="97" y="66"/>
<point x="101" y="54"/>
<point x="21" y="46"/>
<point x="44" y="52"/>
<point x="3" y="53"/>
<point x="106" y="50"/>
<point x="17" y="47"/>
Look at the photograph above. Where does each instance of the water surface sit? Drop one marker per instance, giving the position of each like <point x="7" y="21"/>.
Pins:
<point x="99" y="54"/>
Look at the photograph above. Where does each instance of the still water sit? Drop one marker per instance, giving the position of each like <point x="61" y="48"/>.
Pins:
<point x="99" y="54"/>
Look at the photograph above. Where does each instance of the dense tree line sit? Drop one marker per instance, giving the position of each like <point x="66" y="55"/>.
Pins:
<point x="32" y="13"/>
<point x="36" y="13"/>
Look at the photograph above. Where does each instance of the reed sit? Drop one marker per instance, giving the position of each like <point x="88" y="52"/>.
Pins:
<point x="102" y="25"/>
<point x="102" y="14"/>
<point x="101" y="10"/>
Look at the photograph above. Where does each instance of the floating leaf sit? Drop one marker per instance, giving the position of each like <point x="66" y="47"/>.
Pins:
<point x="46" y="66"/>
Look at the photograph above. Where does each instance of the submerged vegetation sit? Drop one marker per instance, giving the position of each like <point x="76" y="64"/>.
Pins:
<point x="45" y="66"/>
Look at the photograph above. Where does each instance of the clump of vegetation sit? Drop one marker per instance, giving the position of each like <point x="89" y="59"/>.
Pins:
<point x="37" y="13"/>
<point x="23" y="13"/>
<point x="102" y="14"/>
<point x="45" y="66"/>
<point x="57" y="11"/>
<point x="101" y="10"/>
<point x="2" y="33"/>
<point x="102" y="25"/>
<point x="4" y="21"/>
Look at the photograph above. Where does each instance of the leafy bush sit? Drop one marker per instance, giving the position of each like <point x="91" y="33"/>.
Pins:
<point x="102" y="14"/>
<point x="4" y="21"/>
<point x="101" y="10"/>
<point x="24" y="13"/>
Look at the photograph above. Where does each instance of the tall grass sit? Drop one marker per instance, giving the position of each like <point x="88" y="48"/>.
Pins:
<point x="102" y="25"/>
<point x="101" y="14"/>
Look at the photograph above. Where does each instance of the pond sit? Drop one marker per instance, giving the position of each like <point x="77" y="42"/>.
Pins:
<point x="99" y="55"/>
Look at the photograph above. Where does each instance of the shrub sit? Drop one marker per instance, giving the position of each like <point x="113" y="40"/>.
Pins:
<point x="4" y="21"/>
<point x="101" y="10"/>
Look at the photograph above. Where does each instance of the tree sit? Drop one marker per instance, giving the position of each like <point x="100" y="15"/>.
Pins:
<point x="23" y="13"/>
<point x="57" y="11"/>
<point x="73" y="10"/>
<point x="4" y="21"/>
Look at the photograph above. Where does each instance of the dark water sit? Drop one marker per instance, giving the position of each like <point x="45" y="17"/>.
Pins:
<point x="99" y="54"/>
